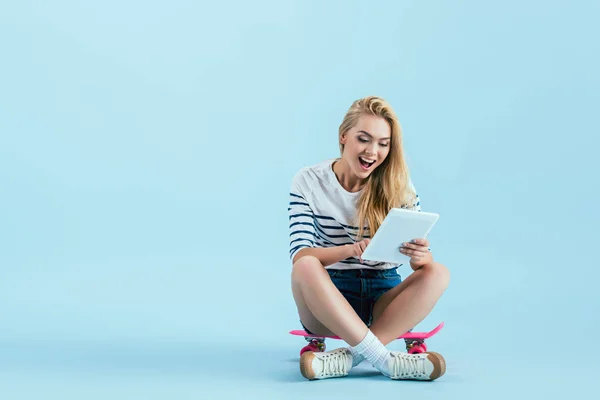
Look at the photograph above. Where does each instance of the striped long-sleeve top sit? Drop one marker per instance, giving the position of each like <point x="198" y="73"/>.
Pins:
<point x="321" y="212"/>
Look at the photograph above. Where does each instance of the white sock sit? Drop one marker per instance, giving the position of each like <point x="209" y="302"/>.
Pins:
<point x="374" y="351"/>
<point x="357" y="358"/>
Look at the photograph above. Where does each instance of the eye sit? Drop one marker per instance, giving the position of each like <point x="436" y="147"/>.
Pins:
<point x="362" y="140"/>
<point x="384" y="144"/>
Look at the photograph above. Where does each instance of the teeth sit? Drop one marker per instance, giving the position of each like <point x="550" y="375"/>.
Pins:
<point x="367" y="161"/>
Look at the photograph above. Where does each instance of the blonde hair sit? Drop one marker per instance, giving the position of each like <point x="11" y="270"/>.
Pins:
<point x="388" y="186"/>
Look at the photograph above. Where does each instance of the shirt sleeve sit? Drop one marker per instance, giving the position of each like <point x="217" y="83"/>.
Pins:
<point x="301" y="218"/>
<point x="416" y="206"/>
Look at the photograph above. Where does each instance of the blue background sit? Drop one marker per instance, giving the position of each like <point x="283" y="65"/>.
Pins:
<point x="146" y="154"/>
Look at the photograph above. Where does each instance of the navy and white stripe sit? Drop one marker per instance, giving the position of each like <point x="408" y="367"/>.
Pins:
<point x="302" y="228"/>
<point x="310" y="230"/>
<point x="321" y="214"/>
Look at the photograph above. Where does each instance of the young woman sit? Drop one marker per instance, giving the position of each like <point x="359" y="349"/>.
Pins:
<point x="335" y="207"/>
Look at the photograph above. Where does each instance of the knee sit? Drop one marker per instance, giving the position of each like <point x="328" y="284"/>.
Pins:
<point x="437" y="274"/>
<point x="305" y="267"/>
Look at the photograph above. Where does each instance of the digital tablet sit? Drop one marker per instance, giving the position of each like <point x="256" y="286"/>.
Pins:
<point x="399" y="226"/>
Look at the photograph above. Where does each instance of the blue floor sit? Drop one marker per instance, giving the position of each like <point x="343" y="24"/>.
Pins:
<point x="211" y="370"/>
<point x="149" y="336"/>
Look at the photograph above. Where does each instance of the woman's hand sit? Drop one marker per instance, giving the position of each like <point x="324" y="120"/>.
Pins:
<point x="359" y="247"/>
<point x="418" y="251"/>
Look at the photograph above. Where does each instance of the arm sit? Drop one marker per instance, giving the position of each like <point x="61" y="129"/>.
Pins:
<point x="303" y="234"/>
<point x="419" y="253"/>
<point x="327" y="255"/>
<point x="421" y="246"/>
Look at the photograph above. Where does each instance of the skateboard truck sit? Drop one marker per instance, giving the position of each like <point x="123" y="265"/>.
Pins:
<point x="414" y="341"/>
<point x="315" y="344"/>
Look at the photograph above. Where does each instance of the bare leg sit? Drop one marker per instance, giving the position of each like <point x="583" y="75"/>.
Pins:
<point x="403" y="307"/>
<point x="322" y="308"/>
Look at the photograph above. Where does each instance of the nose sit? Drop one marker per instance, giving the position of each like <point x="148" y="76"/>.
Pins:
<point x="372" y="149"/>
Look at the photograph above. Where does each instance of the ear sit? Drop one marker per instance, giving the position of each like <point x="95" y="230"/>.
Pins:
<point x="343" y="138"/>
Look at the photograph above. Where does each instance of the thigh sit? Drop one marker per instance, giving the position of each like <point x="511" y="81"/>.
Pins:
<point x="350" y="286"/>
<point x="386" y="298"/>
<point x="307" y="318"/>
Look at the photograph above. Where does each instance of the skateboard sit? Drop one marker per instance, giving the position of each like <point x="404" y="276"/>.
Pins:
<point x="415" y="341"/>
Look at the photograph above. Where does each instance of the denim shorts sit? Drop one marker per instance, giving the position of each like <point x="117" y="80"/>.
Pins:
<point x="363" y="287"/>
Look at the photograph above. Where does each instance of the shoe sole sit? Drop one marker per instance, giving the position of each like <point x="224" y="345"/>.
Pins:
<point x="439" y="364"/>
<point x="306" y="360"/>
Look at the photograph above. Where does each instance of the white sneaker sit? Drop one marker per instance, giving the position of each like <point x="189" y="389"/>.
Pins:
<point x="421" y="366"/>
<point x="328" y="364"/>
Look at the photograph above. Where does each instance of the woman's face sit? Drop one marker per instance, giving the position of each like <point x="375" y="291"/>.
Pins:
<point x="366" y="145"/>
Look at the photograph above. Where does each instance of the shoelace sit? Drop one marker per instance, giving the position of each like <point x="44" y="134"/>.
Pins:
<point x="408" y="366"/>
<point x="335" y="364"/>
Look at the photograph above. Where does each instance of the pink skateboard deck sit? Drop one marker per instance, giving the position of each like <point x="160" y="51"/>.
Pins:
<point x="415" y="341"/>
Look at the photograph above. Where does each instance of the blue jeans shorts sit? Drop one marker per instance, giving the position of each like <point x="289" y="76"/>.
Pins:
<point x="363" y="287"/>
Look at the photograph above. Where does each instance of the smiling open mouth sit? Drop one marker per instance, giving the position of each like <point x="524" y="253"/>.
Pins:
<point x="366" y="164"/>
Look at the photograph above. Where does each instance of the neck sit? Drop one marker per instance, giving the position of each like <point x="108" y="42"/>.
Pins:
<point x="346" y="177"/>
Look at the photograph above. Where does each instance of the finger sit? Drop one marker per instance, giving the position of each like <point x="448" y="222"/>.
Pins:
<point x="414" y="246"/>
<point x="363" y="246"/>
<point x="413" y="253"/>
<point x="421" y="241"/>
<point x="358" y="251"/>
